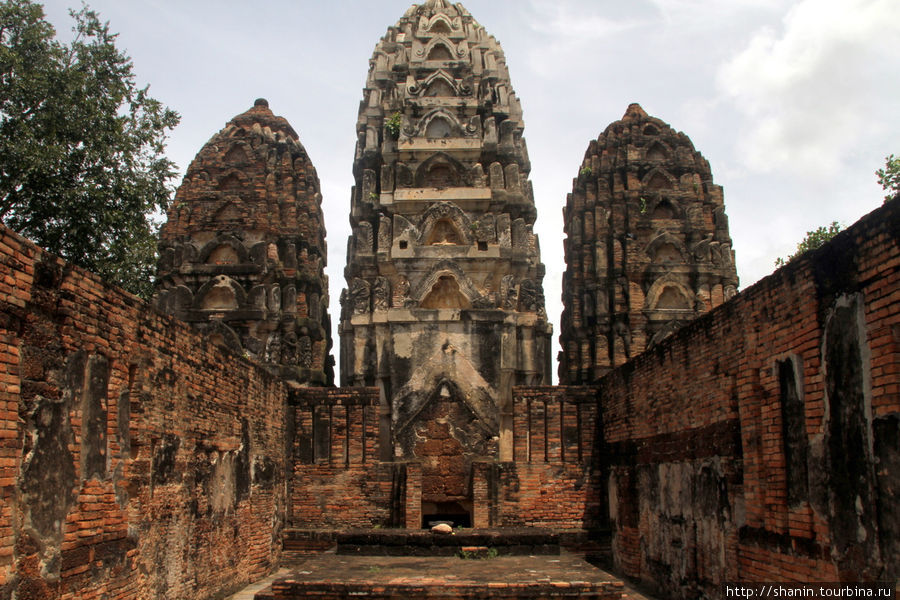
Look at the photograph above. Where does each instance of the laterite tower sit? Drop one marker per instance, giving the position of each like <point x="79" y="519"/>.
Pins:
<point x="242" y="253"/>
<point x="444" y="305"/>
<point x="647" y="246"/>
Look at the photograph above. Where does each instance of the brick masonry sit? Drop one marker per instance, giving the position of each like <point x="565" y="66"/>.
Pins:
<point x="338" y="480"/>
<point x="760" y="443"/>
<point x="138" y="460"/>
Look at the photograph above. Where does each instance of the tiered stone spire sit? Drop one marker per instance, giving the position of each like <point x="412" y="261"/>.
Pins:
<point x="648" y="247"/>
<point x="243" y="250"/>
<point x="444" y="295"/>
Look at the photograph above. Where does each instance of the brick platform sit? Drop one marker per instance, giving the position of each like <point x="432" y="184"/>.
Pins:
<point x="333" y="577"/>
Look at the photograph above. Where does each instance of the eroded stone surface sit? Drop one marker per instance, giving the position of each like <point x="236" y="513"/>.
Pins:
<point x="648" y="248"/>
<point x="243" y="250"/>
<point x="444" y="305"/>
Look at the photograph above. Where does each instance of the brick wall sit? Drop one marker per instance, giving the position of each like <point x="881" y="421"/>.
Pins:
<point x="554" y="479"/>
<point x="136" y="460"/>
<point x="760" y="442"/>
<point x="338" y="480"/>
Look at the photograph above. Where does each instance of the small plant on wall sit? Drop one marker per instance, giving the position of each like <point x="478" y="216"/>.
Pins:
<point x="392" y="125"/>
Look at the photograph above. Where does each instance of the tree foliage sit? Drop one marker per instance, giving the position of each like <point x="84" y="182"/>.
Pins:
<point x="813" y="240"/>
<point x="81" y="145"/>
<point x="889" y="177"/>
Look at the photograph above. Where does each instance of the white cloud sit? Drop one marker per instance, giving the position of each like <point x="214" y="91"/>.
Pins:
<point x="810" y="90"/>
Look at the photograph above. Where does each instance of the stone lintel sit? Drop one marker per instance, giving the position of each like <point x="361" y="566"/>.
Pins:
<point x="436" y="252"/>
<point x="423" y="148"/>
<point x="454" y="102"/>
<point x="419" y="315"/>
<point x="452" y="194"/>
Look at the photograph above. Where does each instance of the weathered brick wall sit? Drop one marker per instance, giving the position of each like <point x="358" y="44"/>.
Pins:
<point x="137" y="461"/>
<point x="760" y="442"/>
<point x="554" y="479"/>
<point x="338" y="480"/>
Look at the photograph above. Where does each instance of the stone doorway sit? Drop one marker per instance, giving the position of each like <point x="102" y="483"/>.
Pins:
<point x="448" y="436"/>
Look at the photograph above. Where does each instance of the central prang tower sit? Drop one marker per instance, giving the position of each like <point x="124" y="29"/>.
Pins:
<point x="444" y="306"/>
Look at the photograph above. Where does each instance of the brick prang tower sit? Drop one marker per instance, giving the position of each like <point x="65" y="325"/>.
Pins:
<point x="242" y="253"/>
<point x="444" y="306"/>
<point x="647" y="247"/>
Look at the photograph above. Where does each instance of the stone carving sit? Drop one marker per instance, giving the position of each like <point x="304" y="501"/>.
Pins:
<point x="314" y="306"/>
<point x="452" y="132"/>
<point x="360" y="296"/>
<point x="381" y="294"/>
<point x="509" y="293"/>
<point x="702" y="251"/>
<point x="402" y="293"/>
<point x="531" y="297"/>
<point x="364" y="239"/>
<point x="484" y="229"/>
<point x="384" y="234"/>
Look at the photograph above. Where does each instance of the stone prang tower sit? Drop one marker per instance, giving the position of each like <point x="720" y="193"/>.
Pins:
<point x="444" y="306"/>
<point x="647" y="247"/>
<point x="243" y="250"/>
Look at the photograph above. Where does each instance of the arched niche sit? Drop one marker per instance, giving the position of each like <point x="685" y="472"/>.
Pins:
<point x="441" y="175"/>
<point x="220" y="294"/>
<point x="440" y="25"/>
<point x="658" y="179"/>
<point x="221" y="334"/>
<point x="445" y="233"/>
<point x="222" y="250"/>
<point x="438" y="128"/>
<point x="664" y="209"/>
<point x="449" y="220"/>
<point x="447" y="286"/>
<point x="439" y="88"/>
<point x="445" y="293"/>
<point x="233" y="181"/>
<point x="672" y="298"/>
<point x="667" y="293"/>
<point x="223" y="255"/>
<point x="227" y="212"/>
<point x="236" y="156"/>
<point x="666" y="248"/>
<point x="657" y="151"/>
<point x="219" y="297"/>
<point x="439" y="52"/>
<point x="440" y="171"/>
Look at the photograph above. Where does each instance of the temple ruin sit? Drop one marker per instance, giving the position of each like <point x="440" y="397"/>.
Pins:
<point x="242" y="252"/>
<point x="444" y="305"/>
<point x="192" y="446"/>
<point x="647" y="246"/>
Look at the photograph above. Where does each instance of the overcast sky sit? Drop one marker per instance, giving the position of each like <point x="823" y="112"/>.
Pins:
<point x="794" y="103"/>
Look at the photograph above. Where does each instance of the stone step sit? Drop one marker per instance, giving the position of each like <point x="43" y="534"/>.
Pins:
<point x="337" y="577"/>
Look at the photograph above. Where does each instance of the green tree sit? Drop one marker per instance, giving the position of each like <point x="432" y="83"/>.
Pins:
<point x="81" y="146"/>
<point x="889" y="177"/>
<point x="813" y="240"/>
